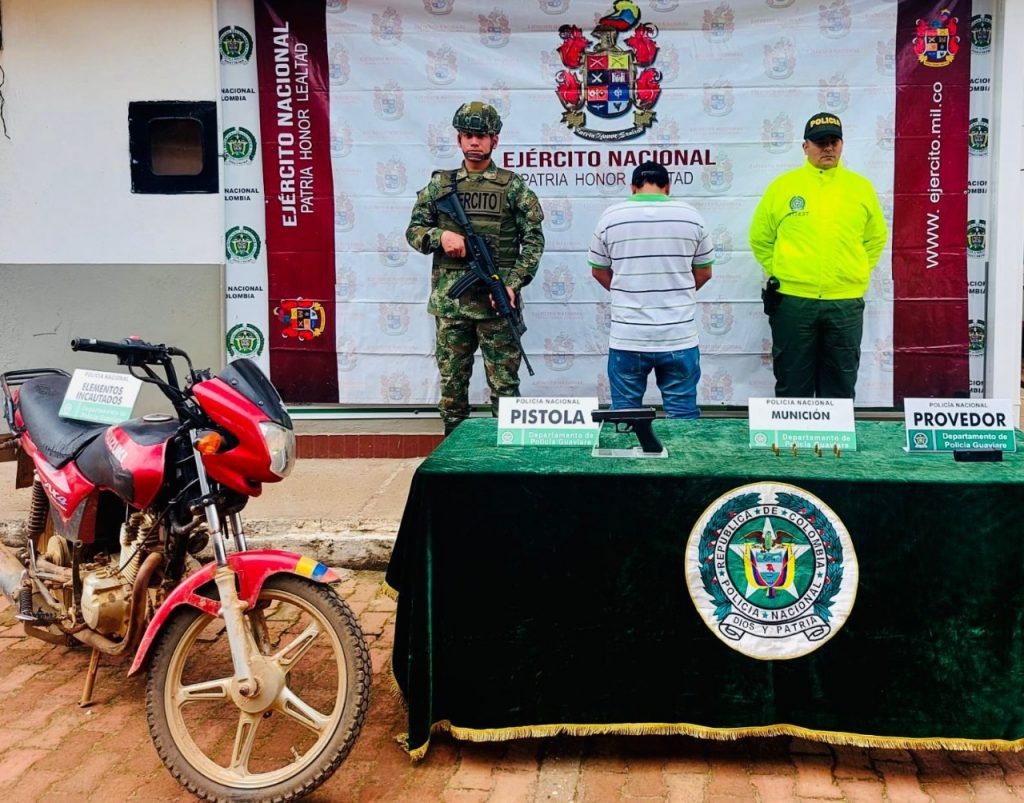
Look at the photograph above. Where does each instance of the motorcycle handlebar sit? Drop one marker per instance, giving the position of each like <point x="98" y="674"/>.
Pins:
<point x="128" y="351"/>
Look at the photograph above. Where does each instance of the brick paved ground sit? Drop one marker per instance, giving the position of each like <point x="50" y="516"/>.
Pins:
<point x="51" y="750"/>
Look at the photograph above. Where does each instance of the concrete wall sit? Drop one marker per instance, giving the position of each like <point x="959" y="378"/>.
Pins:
<point x="43" y="306"/>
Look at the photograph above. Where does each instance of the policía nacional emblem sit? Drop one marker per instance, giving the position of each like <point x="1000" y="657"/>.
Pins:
<point x="981" y="33"/>
<point x="936" y="42"/>
<point x="239" y="146"/>
<point x="772" y="570"/>
<point x="976" y="238"/>
<point x="235" y="45"/>
<point x="976" y="336"/>
<point x="608" y="80"/>
<point x="244" y="340"/>
<point x="977" y="136"/>
<point x="241" y="244"/>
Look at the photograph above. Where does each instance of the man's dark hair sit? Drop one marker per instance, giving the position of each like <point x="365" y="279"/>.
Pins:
<point x="650" y="173"/>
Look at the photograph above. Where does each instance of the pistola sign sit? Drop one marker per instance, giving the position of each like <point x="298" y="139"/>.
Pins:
<point x="546" y="422"/>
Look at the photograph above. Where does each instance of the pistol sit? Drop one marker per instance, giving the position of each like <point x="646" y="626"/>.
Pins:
<point x="632" y="419"/>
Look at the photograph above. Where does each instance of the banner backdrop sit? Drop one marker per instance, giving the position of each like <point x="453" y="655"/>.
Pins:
<point x="356" y="100"/>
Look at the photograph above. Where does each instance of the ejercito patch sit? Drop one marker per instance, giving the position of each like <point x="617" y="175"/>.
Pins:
<point x="771" y="570"/>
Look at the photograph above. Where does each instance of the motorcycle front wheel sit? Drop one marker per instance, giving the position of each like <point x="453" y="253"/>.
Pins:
<point x="280" y="748"/>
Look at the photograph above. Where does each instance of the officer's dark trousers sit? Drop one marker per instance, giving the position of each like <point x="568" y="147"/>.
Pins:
<point x="816" y="346"/>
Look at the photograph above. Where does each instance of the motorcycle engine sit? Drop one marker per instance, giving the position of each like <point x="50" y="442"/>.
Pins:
<point x="105" y="600"/>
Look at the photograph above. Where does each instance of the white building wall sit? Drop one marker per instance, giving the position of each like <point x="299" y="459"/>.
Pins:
<point x="71" y="69"/>
<point x="80" y="254"/>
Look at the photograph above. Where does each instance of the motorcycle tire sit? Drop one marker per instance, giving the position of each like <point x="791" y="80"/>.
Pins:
<point x="280" y="751"/>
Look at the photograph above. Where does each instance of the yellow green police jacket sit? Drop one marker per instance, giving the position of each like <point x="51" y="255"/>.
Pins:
<point x="819" y="232"/>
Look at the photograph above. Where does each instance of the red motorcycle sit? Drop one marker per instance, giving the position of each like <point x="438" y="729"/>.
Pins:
<point x="259" y="675"/>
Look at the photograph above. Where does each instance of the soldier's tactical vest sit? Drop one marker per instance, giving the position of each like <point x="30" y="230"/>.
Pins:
<point x="485" y="202"/>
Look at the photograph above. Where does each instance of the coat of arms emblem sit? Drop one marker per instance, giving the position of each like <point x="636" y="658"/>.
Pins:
<point x="302" y="319"/>
<point x="834" y="93"/>
<point x="771" y="570"/>
<point x="936" y="42"/>
<point x="560" y="352"/>
<point x="608" y="80"/>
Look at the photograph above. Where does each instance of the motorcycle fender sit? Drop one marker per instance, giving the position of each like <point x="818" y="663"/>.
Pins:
<point x="252" y="569"/>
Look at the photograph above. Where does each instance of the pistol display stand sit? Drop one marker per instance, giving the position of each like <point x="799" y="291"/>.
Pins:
<point x="636" y="421"/>
<point x="635" y="452"/>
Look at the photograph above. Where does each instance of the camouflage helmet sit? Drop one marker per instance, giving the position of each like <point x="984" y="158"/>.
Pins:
<point x="477" y="117"/>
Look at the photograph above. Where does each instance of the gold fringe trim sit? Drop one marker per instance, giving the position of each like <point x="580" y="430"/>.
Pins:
<point x="720" y="734"/>
<point x="388" y="591"/>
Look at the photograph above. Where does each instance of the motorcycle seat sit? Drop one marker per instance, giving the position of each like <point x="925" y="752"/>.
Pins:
<point x="59" y="439"/>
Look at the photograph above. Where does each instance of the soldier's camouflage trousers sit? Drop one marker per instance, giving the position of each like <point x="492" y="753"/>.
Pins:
<point x="457" y="341"/>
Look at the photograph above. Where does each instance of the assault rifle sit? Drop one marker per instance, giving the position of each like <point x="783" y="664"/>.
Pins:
<point x="632" y="419"/>
<point x="481" y="268"/>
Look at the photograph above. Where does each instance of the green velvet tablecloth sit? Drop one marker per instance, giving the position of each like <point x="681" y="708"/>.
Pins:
<point x="543" y="591"/>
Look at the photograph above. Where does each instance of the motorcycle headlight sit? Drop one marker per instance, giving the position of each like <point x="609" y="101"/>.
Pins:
<point x="281" y="445"/>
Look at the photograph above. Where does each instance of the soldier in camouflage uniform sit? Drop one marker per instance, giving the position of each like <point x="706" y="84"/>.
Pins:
<point x="505" y="212"/>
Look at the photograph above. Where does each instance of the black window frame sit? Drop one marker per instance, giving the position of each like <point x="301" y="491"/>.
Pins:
<point x="143" y="112"/>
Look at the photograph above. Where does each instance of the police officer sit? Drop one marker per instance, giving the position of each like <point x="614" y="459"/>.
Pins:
<point x="818" y="231"/>
<point x="505" y="212"/>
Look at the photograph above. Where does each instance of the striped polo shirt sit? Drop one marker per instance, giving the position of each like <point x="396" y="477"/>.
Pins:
<point x="652" y="242"/>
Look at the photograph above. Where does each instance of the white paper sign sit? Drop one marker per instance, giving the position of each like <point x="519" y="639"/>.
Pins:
<point x="100" y="396"/>
<point x="533" y="421"/>
<point x="804" y="423"/>
<point x="945" y="425"/>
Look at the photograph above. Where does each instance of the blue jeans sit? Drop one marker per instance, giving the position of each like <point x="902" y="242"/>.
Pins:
<point x="677" y="374"/>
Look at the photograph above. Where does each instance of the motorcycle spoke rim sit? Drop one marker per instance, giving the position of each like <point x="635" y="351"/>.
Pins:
<point x="244" y="749"/>
<point x="290" y="655"/>
<point x="245" y="735"/>
<point x="209" y="690"/>
<point x="291" y="705"/>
